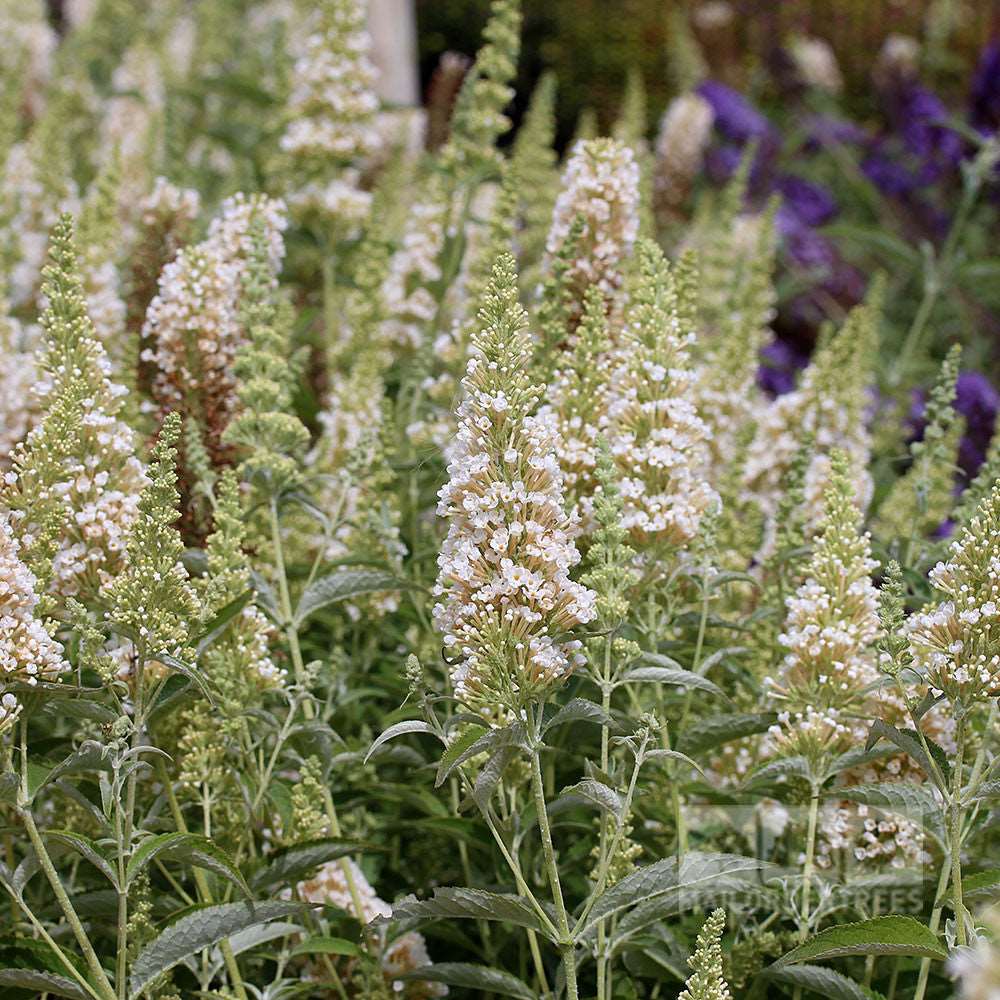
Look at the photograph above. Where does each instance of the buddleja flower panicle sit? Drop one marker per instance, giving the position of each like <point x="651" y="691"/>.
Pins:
<point x="507" y="603"/>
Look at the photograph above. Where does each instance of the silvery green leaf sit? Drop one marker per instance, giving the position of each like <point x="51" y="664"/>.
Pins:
<point x="594" y="793"/>
<point x="42" y="983"/>
<point x="299" y="860"/>
<point x="469" y="904"/>
<point x="715" y="730"/>
<point x="818" y="979"/>
<point x="579" y="710"/>
<point x="892" y="935"/>
<point x="341" y="585"/>
<point x="189" y="849"/>
<point x="668" y="675"/>
<point x="399" y="729"/>
<point x="198" y="928"/>
<point x="479" y="978"/>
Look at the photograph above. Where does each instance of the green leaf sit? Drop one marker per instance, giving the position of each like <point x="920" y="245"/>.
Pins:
<point x="489" y="775"/>
<point x="298" y="860"/>
<point x="906" y="798"/>
<point x="486" y="742"/>
<point x="190" y="849"/>
<point x="665" y="878"/>
<point x="186" y="670"/>
<point x="818" y="979"/>
<point x="981" y="886"/>
<point x="579" y="710"/>
<point x="908" y="740"/>
<point x="91" y="756"/>
<point x="399" y="729"/>
<point x="472" y="977"/>
<point x="667" y="675"/>
<point x="469" y="904"/>
<point x="682" y="758"/>
<point x="455" y="749"/>
<point x="326" y="946"/>
<point x="341" y="585"/>
<point x="86" y="848"/>
<point x="221" y="621"/>
<point x="594" y="793"/>
<point x="893" y="935"/>
<point x="42" y="982"/>
<point x="200" y="927"/>
<point x="715" y="730"/>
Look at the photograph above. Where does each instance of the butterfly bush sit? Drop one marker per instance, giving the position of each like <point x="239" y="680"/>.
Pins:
<point x="439" y="556"/>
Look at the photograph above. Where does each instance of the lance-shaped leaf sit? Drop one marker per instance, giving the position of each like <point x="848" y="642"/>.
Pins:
<point x="221" y="621"/>
<point x="41" y="983"/>
<point x="86" y="848"/>
<point x="341" y="585"/>
<point x="579" y="710"/>
<point x="910" y="742"/>
<point x="593" y="793"/>
<point x="200" y="927"/>
<point x="298" y="860"/>
<point x="719" y="729"/>
<point x="671" y="675"/>
<point x="326" y="946"/>
<point x="980" y="887"/>
<point x="90" y="757"/>
<point x="817" y="979"/>
<point x="480" y="978"/>
<point x="464" y="748"/>
<point x="666" y="877"/>
<point x="399" y="729"/>
<point x="469" y="904"/>
<point x="188" y="849"/>
<point x="892" y="935"/>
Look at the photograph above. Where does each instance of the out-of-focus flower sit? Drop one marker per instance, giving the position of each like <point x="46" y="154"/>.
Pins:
<point x="680" y="147"/>
<point x="813" y="204"/>
<point x="984" y="92"/>
<point x="816" y="64"/>
<point x="735" y="117"/>
<point x="976" y="968"/>
<point x="826" y="130"/>
<point x="780" y="364"/>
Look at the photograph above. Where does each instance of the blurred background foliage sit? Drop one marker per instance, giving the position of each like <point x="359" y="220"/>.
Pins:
<point x="590" y="44"/>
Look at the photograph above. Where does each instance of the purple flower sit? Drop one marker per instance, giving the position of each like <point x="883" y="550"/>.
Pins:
<point x="920" y="114"/>
<point x="825" y="130"/>
<point x="978" y="401"/>
<point x="887" y="175"/>
<point x="780" y="362"/>
<point x="735" y="117"/>
<point x="811" y="203"/>
<point x="721" y="162"/>
<point x="984" y="97"/>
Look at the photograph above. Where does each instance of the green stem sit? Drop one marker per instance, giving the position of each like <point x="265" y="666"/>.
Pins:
<point x="956" y="838"/>
<point x="45" y="862"/>
<point x="232" y="967"/>
<point x="932" y="925"/>
<point x="548" y="851"/>
<point x="807" y="865"/>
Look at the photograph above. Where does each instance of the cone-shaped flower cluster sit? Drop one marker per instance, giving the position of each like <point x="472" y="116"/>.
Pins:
<point x="706" y="981"/>
<point x="74" y="490"/>
<point x="194" y="323"/>
<point x="956" y="642"/>
<point x="830" y="629"/>
<point x="332" y="107"/>
<point x="601" y="184"/>
<point x="657" y="438"/>
<point x="27" y="652"/>
<point x="507" y="599"/>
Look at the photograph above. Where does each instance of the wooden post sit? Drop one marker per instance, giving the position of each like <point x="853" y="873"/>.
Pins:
<point x="393" y="28"/>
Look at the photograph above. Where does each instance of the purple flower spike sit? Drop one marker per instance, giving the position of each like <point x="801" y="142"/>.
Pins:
<point x="735" y="117"/>
<point x="811" y="203"/>
<point x="825" y="130"/>
<point x="888" y="176"/>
